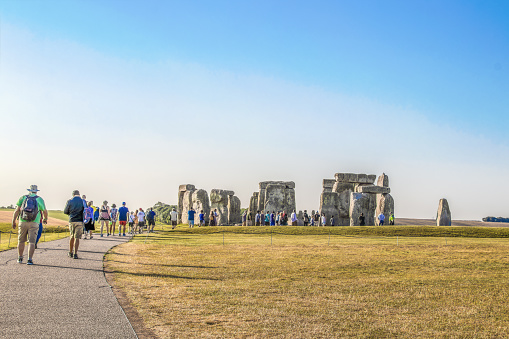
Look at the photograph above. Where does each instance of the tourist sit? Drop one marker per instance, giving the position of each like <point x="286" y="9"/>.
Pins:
<point x="278" y="218"/>
<point x="332" y="221"/>
<point x="381" y="219"/>
<point x="201" y="216"/>
<point x="294" y="218"/>
<point x="244" y="218"/>
<point x="74" y="209"/>
<point x="257" y="218"/>
<point x="306" y="218"/>
<point x="104" y="217"/>
<point x="113" y="220"/>
<point x="316" y="218"/>
<point x="132" y="223"/>
<point x="212" y="219"/>
<point x="28" y="210"/>
<point x="285" y="218"/>
<point x="267" y="218"/>
<point x="273" y="218"/>
<point x="215" y="217"/>
<point x="123" y="214"/>
<point x="173" y="217"/>
<point x="391" y="219"/>
<point x="190" y="217"/>
<point x="362" y="220"/>
<point x="141" y="220"/>
<point x="151" y="219"/>
<point x="89" y="220"/>
<point x="324" y="219"/>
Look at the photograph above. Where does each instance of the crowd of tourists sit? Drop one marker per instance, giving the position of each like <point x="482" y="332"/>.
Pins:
<point x="83" y="217"/>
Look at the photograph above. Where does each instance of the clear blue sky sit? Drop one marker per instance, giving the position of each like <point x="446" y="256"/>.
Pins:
<point x="447" y="58"/>
<point x="431" y="77"/>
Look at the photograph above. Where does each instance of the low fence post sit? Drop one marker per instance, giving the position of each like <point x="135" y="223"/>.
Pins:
<point x="397" y="240"/>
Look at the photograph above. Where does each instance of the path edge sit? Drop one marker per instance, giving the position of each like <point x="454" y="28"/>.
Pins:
<point x="131" y="313"/>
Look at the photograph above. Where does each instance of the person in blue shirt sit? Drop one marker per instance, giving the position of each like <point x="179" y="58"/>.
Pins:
<point x="151" y="218"/>
<point x="273" y="218"/>
<point x="190" y="217"/>
<point x="123" y="212"/>
<point x="96" y="214"/>
<point x="202" y="219"/>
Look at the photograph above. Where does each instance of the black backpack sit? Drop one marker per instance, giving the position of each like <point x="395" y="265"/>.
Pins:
<point x="30" y="208"/>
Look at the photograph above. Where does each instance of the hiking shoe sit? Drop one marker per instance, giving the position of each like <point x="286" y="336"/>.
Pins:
<point x="75" y="256"/>
<point x="123" y="234"/>
<point x="119" y="235"/>
<point x="20" y="260"/>
<point x="101" y="235"/>
<point x="69" y="254"/>
<point x="30" y="262"/>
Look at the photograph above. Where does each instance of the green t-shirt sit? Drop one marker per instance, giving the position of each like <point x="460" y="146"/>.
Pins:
<point x="40" y="205"/>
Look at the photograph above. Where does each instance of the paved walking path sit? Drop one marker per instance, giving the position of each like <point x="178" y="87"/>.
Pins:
<point x="60" y="297"/>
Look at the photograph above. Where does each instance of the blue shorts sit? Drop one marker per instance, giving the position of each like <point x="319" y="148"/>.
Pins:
<point x="191" y="222"/>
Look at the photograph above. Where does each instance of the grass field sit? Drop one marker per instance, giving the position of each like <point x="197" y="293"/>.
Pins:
<point x="309" y="284"/>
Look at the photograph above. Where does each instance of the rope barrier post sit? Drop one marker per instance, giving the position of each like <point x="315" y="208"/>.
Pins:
<point x="328" y="244"/>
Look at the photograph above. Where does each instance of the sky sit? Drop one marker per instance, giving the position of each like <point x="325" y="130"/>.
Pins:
<point x="126" y="100"/>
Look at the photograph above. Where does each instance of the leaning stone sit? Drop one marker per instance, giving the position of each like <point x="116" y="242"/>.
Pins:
<point x="443" y="213"/>
<point x="219" y="201"/>
<point x="373" y="189"/>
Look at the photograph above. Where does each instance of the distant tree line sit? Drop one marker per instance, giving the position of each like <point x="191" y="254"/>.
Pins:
<point x="163" y="212"/>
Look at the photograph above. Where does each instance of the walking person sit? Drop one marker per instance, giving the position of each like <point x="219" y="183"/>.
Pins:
<point x="324" y="219"/>
<point x="381" y="219"/>
<point x="212" y="219"/>
<point x="123" y="215"/>
<point x="141" y="220"/>
<point x="151" y="219"/>
<point x="391" y="220"/>
<point x="173" y="216"/>
<point x="215" y="217"/>
<point x="362" y="220"/>
<point x="104" y="217"/>
<point x="29" y="209"/>
<point x="202" y="218"/>
<point x="74" y="209"/>
<point x="332" y="221"/>
<point x="257" y="218"/>
<point x="267" y="218"/>
<point x="293" y="217"/>
<point x="273" y="218"/>
<point x="132" y="221"/>
<point x="89" y="220"/>
<point x="244" y="218"/>
<point x="190" y="217"/>
<point x="113" y="219"/>
<point x="316" y="218"/>
<point x="306" y="218"/>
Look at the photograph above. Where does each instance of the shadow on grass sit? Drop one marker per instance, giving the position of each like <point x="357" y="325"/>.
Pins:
<point x="161" y="265"/>
<point x="155" y="275"/>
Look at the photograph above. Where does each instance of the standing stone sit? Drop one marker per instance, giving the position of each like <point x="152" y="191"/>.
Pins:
<point x="253" y="207"/>
<point x="200" y="201"/>
<point x="181" y="193"/>
<point x="219" y="201"/>
<point x="329" y="202"/>
<point x="444" y="213"/>
<point x="290" y="204"/>
<point x="274" y="197"/>
<point x="362" y="203"/>
<point x="187" y="203"/>
<point x="343" y="189"/>
<point x="328" y="184"/>
<point x="385" y="205"/>
<point x="234" y="216"/>
<point x="383" y="180"/>
<point x="261" y="199"/>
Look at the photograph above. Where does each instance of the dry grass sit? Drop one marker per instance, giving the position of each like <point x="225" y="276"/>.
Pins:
<point x="187" y="285"/>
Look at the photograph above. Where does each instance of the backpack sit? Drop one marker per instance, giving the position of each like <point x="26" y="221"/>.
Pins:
<point x="30" y="208"/>
<point x="104" y="214"/>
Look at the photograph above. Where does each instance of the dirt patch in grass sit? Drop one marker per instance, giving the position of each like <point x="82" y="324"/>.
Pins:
<point x="359" y="289"/>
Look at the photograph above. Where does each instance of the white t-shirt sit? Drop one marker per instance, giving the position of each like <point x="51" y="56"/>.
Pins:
<point x="294" y="217"/>
<point x="141" y="216"/>
<point x="173" y="215"/>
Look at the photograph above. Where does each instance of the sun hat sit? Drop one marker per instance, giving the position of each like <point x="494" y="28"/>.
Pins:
<point x="33" y="188"/>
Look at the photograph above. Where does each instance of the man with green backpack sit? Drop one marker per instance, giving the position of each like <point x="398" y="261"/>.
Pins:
<point x="28" y="210"/>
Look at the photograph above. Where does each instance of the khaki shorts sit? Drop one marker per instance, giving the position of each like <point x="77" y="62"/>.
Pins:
<point x="76" y="229"/>
<point x="28" y="229"/>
